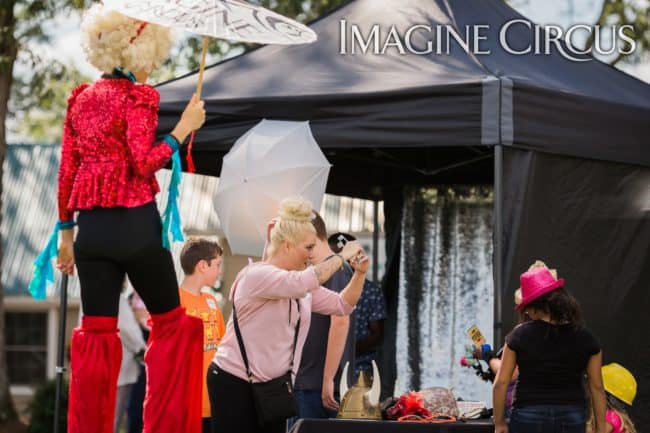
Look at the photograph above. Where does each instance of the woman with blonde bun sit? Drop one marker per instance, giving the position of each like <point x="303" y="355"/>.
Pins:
<point x="272" y="305"/>
<point x="108" y="162"/>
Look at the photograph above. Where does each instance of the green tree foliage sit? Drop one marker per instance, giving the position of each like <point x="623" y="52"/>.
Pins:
<point x="39" y="87"/>
<point x="38" y="101"/>
<point x="41" y="408"/>
<point x="633" y="13"/>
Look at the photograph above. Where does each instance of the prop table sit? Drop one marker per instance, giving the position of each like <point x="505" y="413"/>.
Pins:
<point x="358" y="426"/>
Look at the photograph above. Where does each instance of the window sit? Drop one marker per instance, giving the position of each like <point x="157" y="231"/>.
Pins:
<point x="26" y="344"/>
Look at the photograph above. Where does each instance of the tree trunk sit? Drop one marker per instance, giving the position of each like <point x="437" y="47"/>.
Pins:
<point x="8" y="50"/>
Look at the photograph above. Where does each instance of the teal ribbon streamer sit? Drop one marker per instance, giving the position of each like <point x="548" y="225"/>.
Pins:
<point x="172" y="217"/>
<point x="43" y="269"/>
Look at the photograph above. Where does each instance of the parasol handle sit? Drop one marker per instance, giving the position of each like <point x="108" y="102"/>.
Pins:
<point x="60" y="362"/>
<point x="204" y="51"/>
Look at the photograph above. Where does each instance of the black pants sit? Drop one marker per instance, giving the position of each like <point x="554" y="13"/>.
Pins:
<point x="136" y="400"/>
<point x="114" y="242"/>
<point x="206" y="425"/>
<point x="232" y="407"/>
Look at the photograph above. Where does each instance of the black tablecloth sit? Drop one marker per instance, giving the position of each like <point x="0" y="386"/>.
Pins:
<point x="357" y="426"/>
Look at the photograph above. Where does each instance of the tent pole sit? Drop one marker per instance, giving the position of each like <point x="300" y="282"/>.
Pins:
<point x="498" y="244"/>
<point x="375" y="242"/>
<point x="60" y="362"/>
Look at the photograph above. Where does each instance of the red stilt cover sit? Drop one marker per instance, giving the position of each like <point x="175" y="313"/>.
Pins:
<point x="95" y="358"/>
<point x="175" y="373"/>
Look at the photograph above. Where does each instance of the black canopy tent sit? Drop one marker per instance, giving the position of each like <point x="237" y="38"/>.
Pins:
<point x="564" y="142"/>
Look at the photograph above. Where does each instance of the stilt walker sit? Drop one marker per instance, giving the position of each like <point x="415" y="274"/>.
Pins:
<point x="107" y="176"/>
<point x="108" y="162"/>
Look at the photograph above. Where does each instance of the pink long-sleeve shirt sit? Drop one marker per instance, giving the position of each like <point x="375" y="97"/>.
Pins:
<point x="262" y="294"/>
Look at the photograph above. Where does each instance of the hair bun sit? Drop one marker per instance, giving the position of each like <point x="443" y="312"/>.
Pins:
<point x="296" y="209"/>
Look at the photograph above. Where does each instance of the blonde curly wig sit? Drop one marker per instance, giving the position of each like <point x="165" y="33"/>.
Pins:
<point x="112" y="40"/>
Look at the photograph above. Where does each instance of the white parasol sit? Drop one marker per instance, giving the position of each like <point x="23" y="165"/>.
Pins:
<point x="234" y="20"/>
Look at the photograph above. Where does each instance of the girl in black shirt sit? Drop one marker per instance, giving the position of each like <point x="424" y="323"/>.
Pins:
<point x="552" y="351"/>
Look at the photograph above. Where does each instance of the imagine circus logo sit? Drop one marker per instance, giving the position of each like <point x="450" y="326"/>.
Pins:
<point x="440" y="39"/>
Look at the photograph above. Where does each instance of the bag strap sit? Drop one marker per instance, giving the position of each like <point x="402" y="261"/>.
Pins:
<point x="295" y="334"/>
<point x="242" y="349"/>
<point x="240" y="340"/>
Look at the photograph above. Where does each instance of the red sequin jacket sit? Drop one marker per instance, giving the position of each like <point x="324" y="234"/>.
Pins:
<point x="108" y="154"/>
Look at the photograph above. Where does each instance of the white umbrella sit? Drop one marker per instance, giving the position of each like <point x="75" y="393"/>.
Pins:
<point x="272" y="161"/>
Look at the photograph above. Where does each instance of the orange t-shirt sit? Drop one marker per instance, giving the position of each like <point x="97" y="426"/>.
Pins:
<point x="205" y="307"/>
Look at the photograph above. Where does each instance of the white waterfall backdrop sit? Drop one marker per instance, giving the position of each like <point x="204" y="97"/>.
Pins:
<point x="445" y="287"/>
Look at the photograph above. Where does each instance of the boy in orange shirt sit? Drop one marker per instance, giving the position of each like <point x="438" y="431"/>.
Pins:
<point x="201" y="263"/>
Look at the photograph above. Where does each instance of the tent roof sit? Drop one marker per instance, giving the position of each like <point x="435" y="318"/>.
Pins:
<point x="319" y="69"/>
<point x="410" y="117"/>
<point x="591" y="78"/>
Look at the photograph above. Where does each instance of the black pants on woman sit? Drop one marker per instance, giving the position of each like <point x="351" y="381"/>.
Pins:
<point x="114" y="242"/>
<point x="232" y="406"/>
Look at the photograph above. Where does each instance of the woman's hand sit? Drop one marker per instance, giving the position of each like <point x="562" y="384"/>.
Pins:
<point x="351" y="250"/>
<point x="327" y="396"/>
<point x="500" y="427"/>
<point x="194" y="114"/>
<point x="270" y="226"/>
<point x="192" y="119"/>
<point x="142" y="316"/>
<point x="65" y="258"/>
<point x="360" y="262"/>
